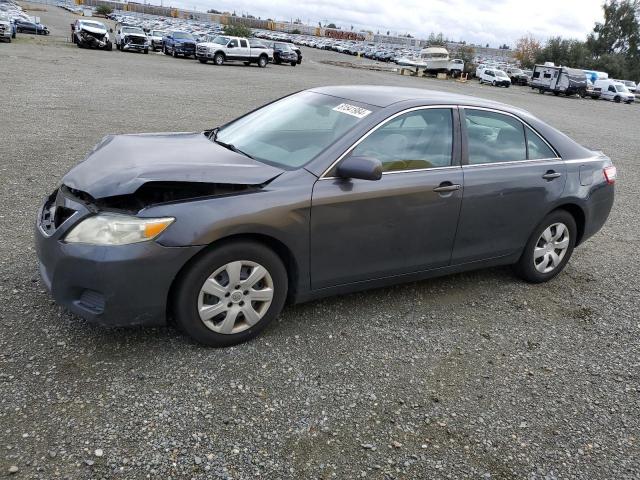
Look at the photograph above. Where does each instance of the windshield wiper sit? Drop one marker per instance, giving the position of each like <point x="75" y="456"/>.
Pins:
<point x="233" y="148"/>
<point x="213" y="136"/>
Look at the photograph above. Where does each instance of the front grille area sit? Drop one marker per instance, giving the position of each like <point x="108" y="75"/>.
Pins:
<point x="135" y="40"/>
<point x="202" y="50"/>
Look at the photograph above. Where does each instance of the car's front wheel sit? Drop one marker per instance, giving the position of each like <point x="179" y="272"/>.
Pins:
<point x="229" y="294"/>
<point x="549" y="248"/>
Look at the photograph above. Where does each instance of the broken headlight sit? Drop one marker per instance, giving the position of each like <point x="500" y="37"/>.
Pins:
<point x="114" y="229"/>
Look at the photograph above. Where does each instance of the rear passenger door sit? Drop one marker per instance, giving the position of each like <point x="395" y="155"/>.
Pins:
<point x="512" y="177"/>
<point x="243" y="50"/>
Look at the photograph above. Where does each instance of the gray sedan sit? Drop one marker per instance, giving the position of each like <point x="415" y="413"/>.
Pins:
<point x="323" y="192"/>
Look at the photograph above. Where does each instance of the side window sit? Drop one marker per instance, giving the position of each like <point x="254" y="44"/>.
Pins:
<point x="536" y="74"/>
<point x="494" y="137"/>
<point x="414" y="140"/>
<point x="233" y="42"/>
<point x="537" y="147"/>
<point x="611" y="89"/>
<point x="243" y="43"/>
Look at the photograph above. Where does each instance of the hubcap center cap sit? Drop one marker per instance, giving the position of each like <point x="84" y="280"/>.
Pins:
<point x="236" y="296"/>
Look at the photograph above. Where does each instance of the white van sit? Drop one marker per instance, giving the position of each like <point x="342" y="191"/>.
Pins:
<point x="615" y="91"/>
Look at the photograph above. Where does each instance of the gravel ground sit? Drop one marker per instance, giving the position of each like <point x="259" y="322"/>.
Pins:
<point x="469" y="376"/>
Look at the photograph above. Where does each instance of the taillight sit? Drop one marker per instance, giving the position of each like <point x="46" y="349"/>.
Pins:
<point x="610" y="174"/>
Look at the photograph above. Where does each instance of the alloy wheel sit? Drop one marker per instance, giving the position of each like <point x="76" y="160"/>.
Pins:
<point x="551" y="247"/>
<point x="235" y="297"/>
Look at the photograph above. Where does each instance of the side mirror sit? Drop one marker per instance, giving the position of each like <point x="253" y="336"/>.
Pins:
<point x="362" y="168"/>
<point x="230" y="45"/>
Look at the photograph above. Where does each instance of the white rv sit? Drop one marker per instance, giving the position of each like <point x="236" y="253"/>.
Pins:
<point x="568" y="81"/>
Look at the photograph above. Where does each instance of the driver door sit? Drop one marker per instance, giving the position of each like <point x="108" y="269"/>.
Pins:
<point x="403" y="223"/>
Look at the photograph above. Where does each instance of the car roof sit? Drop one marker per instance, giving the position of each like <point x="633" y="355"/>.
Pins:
<point x="384" y="96"/>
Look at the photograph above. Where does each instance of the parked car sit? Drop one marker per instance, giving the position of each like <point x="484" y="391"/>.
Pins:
<point x="90" y="34"/>
<point x="25" y="26"/>
<point x="155" y="39"/>
<point x="130" y="38"/>
<point x="631" y="86"/>
<point x="614" y="91"/>
<point x="177" y="42"/>
<point x="517" y="76"/>
<point x="224" y="48"/>
<point x="591" y="91"/>
<point x="6" y="28"/>
<point x="283" y="53"/>
<point x="497" y="78"/>
<point x="322" y="192"/>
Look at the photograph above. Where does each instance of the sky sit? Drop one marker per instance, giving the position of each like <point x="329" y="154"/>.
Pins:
<point x="476" y="21"/>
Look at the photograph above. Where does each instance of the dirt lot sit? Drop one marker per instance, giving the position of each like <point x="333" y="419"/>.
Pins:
<point x="469" y="376"/>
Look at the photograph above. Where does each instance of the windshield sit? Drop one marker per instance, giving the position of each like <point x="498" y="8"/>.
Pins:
<point x="500" y="73"/>
<point x="183" y="35"/>
<point x="157" y="33"/>
<point x="221" y="40"/>
<point x="132" y="30"/>
<point x="291" y="132"/>
<point x="283" y="46"/>
<point x="621" y="88"/>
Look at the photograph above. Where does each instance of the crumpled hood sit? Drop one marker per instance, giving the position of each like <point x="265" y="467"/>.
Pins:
<point x="96" y="30"/>
<point x="120" y="164"/>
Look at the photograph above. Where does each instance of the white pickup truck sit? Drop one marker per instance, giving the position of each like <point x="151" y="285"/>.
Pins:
<point x="224" y="48"/>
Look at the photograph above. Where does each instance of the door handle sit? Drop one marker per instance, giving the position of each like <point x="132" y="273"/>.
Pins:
<point x="551" y="175"/>
<point x="446" y="187"/>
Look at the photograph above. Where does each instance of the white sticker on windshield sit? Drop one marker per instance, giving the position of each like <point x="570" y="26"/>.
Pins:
<point x="352" y="110"/>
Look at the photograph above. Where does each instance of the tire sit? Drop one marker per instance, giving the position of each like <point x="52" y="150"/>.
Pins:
<point x="109" y="47"/>
<point x="146" y="51"/>
<point x="174" y="53"/>
<point x="246" y="64"/>
<point x="293" y="64"/>
<point x="202" y="60"/>
<point x="189" y="297"/>
<point x="493" y="83"/>
<point x="616" y="99"/>
<point x="276" y="61"/>
<point x="541" y="91"/>
<point x="218" y="59"/>
<point x="164" y="50"/>
<point x="532" y="269"/>
<point x="262" y="61"/>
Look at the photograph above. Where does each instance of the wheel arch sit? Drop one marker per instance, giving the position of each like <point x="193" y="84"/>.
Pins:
<point x="578" y="215"/>
<point x="283" y="251"/>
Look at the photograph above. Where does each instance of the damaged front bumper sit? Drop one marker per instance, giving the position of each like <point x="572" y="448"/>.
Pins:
<point x="92" y="41"/>
<point x="110" y="285"/>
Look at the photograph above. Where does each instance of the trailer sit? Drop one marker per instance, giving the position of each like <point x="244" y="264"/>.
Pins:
<point x="568" y="81"/>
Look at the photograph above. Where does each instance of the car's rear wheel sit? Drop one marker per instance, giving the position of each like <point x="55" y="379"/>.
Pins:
<point x="202" y="60"/>
<point x="262" y="61"/>
<point x="229" y="294"/>
<point x="549" y="248"/>
<point x="617" y="99"/>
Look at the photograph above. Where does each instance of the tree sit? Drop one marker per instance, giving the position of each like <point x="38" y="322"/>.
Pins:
<point x="103" y="10"/>
<point x="527" y="50"/>
<point x="331" y="25"/>
<point x="295" y="31"/>
<point x="237" y="31"/>
<point x="466" y="53"/>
